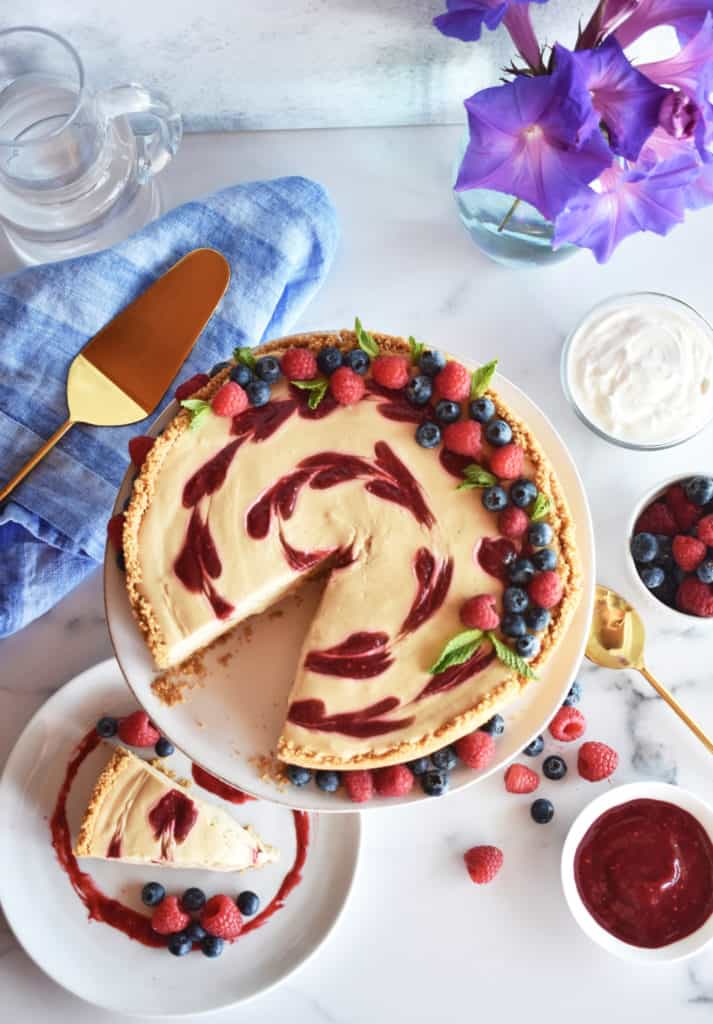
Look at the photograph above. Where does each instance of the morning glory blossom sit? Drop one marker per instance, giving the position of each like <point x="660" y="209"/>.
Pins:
<point x="686" y="16"/>
<point x="464" y="19"/>
<point x="607" y="17"/>
<point x="662" y="145"/>
<point x="689" y="68"/>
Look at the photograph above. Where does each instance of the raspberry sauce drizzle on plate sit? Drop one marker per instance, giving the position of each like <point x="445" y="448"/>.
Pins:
<point x="217" y="787"/>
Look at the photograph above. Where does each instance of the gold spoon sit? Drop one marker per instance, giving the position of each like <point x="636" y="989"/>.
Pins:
<point x="616" y="640"/>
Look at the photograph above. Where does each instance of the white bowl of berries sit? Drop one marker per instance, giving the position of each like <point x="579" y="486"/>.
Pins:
<point x="670" y="546"/>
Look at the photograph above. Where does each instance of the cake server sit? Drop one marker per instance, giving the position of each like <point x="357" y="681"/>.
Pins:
<point x="123" y="372"/>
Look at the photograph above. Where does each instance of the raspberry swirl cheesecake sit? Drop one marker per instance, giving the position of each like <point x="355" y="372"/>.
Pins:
<point x="402" y="477"/>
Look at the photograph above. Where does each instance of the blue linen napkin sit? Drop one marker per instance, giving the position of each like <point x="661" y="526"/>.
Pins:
<point x="279" y="238"/>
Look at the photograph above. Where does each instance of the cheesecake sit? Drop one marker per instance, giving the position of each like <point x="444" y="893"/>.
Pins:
<point x="139" y="815"/>
<point x="229" y="514"/>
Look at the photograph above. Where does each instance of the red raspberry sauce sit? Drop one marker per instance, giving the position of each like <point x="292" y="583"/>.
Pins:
<point x="644" y="871"/>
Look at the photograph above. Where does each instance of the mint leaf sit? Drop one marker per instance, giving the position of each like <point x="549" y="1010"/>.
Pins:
<point x="541" y="508"/>
<point x="458" y="649"/>
<point x="198" y="410"/>
<point x="510" y="658"/>
<point x="480" y="381"/>
<point x="365" y="340"/>
<point x="244" y="356"/>
<point x="417" y="348"/>
<point x="476" y="476"/>
<point x="317" y="389"/>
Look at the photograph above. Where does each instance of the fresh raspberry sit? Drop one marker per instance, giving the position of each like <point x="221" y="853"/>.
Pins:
<point x="221" y="917"/>
<point x="704" y="530"/>
<point x="230" y="400"/>
<point x="508" y="462"/>
<point x="115" y="531"/>
<point x="137" y="730"/>
<point x="476" y="750"/>
<point x="684" y="511"/>
<point x="688" y="552"/>
<point x="546" y="589"/>
<point x="396" y="780"/>
<point x="359" y="785"/>
<point x="464" y="438"/>
<point x="483" y="863"/>
<point x="521" y="779"/>
<point x="190" y="386"/>
<point x="695" y="597"/>
<point x="657" y="518"/>
<point x="299" y="364"/>
<point x="391" y="371"/>
<point x="480" y="612"/>
<point x="347" y="386"/>
<point x="596" y="761"/>
<point x="168" y="917"/>
<point x="513" y="522"/>
<point x="568" y="724"/>
<point x="453" y="382"/>
<point x="139" y="447"/>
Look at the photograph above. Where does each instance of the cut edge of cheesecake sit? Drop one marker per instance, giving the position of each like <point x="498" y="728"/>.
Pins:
<point x="511" y="686"/>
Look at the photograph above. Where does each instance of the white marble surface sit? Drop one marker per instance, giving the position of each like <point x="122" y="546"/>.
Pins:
<point x="419" y="942"/>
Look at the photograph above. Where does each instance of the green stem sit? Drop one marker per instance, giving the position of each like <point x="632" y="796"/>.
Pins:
<point x="504" y="222"/>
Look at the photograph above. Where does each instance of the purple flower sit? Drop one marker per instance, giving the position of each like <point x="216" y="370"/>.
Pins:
<point x="686" y="16"/>
<point x="607" y="17"/>
<point x="627" y="101"/>
<point x="679" y="115"/>
<point x="648" y="196"/>
<point x="688" y="69"/>
<point x="464" y="19"/>
<point x="662" y="145"/>
<point x="536" y="138"/>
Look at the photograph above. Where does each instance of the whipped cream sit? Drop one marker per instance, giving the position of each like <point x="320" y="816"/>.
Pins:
<point x="641" y="370"/>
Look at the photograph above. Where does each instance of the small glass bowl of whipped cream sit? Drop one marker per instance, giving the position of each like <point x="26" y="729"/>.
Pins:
<point x="638" y="370"/>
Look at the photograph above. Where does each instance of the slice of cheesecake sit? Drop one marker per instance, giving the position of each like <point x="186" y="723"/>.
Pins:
<point x="139" y="815"/>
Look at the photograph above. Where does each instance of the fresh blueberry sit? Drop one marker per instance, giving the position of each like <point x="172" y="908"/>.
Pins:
<point x="329" y="359"/>
<point x="428" y="435"/>
<point x="248" y="903"/>
<point x="513" y="625"/>
<point x="106" y="727"/>
<point x="644" y="547"/>
<point x="431" y="363"/>
<point x="665" y="546"/>
<point x="679" y="574"/>
<point x="495" y="726"/>
<point x="212" y="945"/>
<point x="653" y="576"/>
<point x="523" y="493"/>
<point x="539" y="534"/>
<point x="554" y="767"/>
<point x="328" y="781"/>
<point x="521" y="571"/>
<point x="434" y="783"/>
<point x="420" y="765"/>
<point x="445" y="759"/>
<point x="218" y="367"/>
<point x="241" y="374"/>
<point x="515" y="599"/>
<point x="494" y="498"/>
<point x="527" y="646"/>
<point x="498" y="433"/>
<point x="298" y="775"/>
<point x="196" y="932"/>
<point x="544" y="559"/>
<point x="542" y="811"/>
<point x="447" y="412"/>
<point x="258" y="392"/>
<point x="574" y="695"/>
<point x="667" y="592"/>
<point x="419" y="390"/>
<point x="704" y="572"/>
<point x="268" y="369"/>
<point x="164" y="747"/>
<point x="537" y="619"/>
<point x="193" y="899"/>
<point x="536" y="747"/>
<point x="179" y="943"/>
<point x="699" y="489"/>
<point x="357" y="359"/>
<point x="482" y="410"/>
<point x="508" y="559"/>
<point x="152" y="894"/>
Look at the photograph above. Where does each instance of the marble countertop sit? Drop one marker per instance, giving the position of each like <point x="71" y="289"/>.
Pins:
<point x="419" y="942"/>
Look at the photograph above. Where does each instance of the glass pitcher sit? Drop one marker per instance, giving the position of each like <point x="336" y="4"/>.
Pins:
<point x="77" y="168"/>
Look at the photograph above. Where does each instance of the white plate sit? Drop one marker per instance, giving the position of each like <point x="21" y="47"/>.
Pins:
<point x="236" y="717"/>
<point x="102" y="965"/>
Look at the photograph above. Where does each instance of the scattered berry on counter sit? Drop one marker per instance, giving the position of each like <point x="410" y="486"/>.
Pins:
<point x="498" y="433"/>
<point x="136" y="730"/>
<point x="535" y="747"/>
<point x="190" y="386"/>
<point x="495" y="726"/>
<point x="515" y="599"/>
<point x="657" y="519"/>
<point x="431" y="362"/>
<point x="480" y="612"/>
<point x="248" y="903"/>
<point x="568" y="724"/>
<point x="419" y="765"/>
<point x="107" y="726"/>
<point x="220" y="916"/>
<point x="298" y="775"/>
<point x="521" y="779"/>
<point x="193" y="899"/>
<point x="447" y="411"/>
<point x="217" y="367"/>
<point x="545" y="589"/>
<point x="539" y="535"/>
<point x="453" y="382"/>
<point x="463" y="438"/>
<point x="419" y="390"/>
<point x="513" y="625"/>
<point x="195" y="931"/>
<point x="164" y="747"/>
<point x="688" y="552"/>
<point x="476" y="750"/>
<point x="544" y="560"/>
<point x="390" y="371"/>
<point x="513" y="522"/>
<point x="444" y="759"/>
<point x="258" y="392"/>
<point x="242" y="375"/>
<point x="230" y="400"/>
<point x="428" y="434"/>
<point x="267" y="368"/>
<point x="542" y="811"/>
<point x="699" y="490"/>
<point x="705" y="530"/>
<point x="482" y="410"/>
<point x="653" y="577"/>
<point x="507" y="462"/>
<point x="596" y="761"/>
<point x="528" y="647"/>
<point x="115" y="531"/>
<point x="139" y="447"/>
<point x="695" y="598"/>
<point x="522" y="571"/>
<point x="685" y="511"/>
<point x="523" y="493"/>
<point x="359" y="785"/>
<point x="483" y="863"/>
<point x="347" y="386"/>
<point x="434" y="782"/>
<point x="394" y="780"/>
<point x="152" y="894"/>
<point x="704" y="572"/>
<point x="494" y="498"/>
<point x="212" y="945"/>
<point x="179" y="944"/>
<point x="574" y="695"/>
<point x="554" y="767"/>
<point x="328" y="781"/>
<point x="329" y="359"/>
<point x="357" y="359"/>
<point x="168" y="917"/>
<point x="537" y="619"/>
<point x="299" y="364"/>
